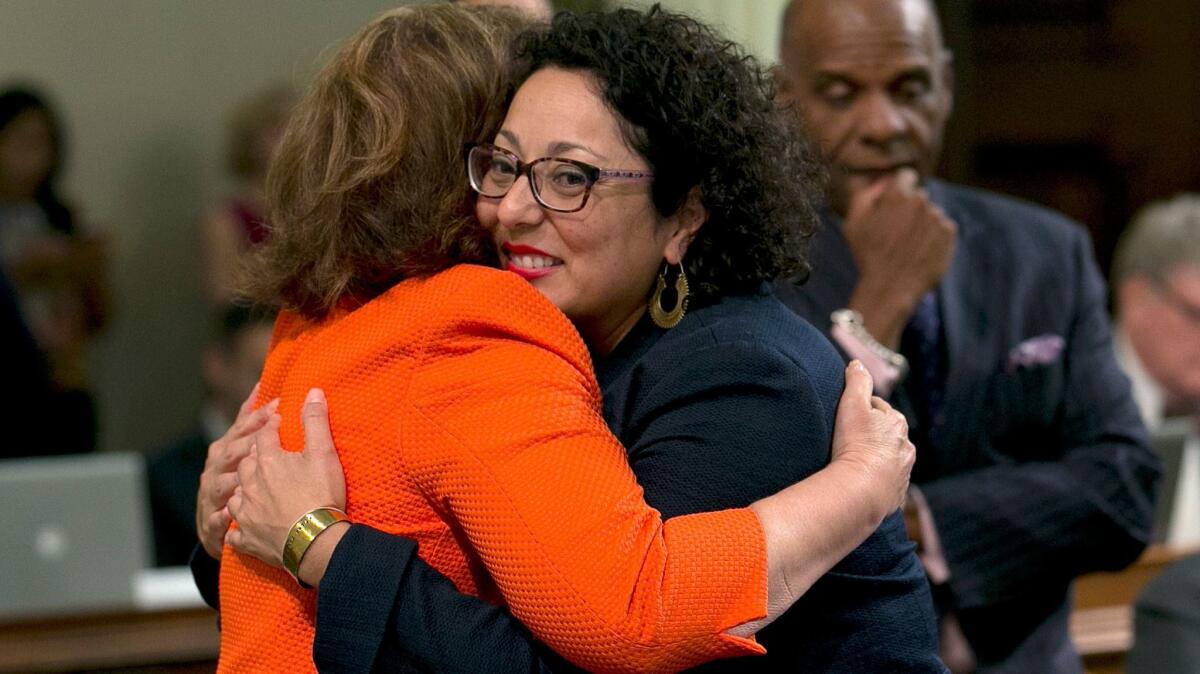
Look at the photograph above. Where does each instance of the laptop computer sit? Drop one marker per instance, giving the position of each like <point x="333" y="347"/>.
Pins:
<point x="1169" y="440"/>
<point x="75" y="531"/>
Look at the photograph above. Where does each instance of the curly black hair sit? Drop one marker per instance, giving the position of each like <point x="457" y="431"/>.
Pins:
<point x="702" y="113"/>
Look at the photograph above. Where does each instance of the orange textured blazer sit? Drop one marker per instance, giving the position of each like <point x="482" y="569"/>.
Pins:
<point x="467" y="417"/>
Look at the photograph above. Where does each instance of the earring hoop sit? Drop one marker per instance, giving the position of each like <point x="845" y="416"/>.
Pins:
<point x="669" y="318"/>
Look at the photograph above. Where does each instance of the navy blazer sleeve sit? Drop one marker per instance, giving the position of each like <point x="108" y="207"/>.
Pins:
<point x="1018" y="525"/>
<point x="381" y="608"/>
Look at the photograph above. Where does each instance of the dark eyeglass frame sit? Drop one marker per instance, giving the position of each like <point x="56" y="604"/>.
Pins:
<point x="592" y="175"/>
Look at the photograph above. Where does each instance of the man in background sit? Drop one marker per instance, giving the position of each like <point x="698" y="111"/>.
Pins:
<point x="983" y="319"/>
<point x="537" y="9"/>
<point x="232" y="364"/>
<point x="1156" y="276"/>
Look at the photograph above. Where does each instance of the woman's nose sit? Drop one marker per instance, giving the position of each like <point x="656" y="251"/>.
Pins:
<point x="518" y="208"/>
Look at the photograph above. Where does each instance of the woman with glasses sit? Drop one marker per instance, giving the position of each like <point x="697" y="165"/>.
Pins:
<point x="463" y="405"/>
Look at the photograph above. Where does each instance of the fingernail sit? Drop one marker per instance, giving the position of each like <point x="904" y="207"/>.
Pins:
<point x="315" y="395"/>
<point x="273" y="405"/>
<point x="857" y="365"/>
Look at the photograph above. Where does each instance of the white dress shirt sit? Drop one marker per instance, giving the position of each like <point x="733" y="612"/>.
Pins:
<point x="1183" y="523"/>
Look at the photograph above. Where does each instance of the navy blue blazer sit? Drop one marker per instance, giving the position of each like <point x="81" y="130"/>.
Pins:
<point x="39" y="419"/>
<point x="733" y="404"/>
<point x="1039" y="470"/>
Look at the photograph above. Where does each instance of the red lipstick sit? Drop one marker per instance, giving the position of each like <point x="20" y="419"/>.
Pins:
<point x="527" y="273"/>
<point x="522" y="249"/>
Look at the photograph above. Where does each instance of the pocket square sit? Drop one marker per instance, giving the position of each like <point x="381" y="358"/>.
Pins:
<point x="1040" y="350"/>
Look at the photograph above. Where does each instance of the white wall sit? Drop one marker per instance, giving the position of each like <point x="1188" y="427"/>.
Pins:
<point x="144" y="87"/>
<point x="753" y="23"/>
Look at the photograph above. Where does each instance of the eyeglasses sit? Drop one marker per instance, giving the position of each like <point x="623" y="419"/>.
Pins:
<point x="558" y="184"/>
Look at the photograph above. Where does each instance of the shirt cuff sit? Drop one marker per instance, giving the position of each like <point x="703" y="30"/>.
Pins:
<point x="883" y="374"/>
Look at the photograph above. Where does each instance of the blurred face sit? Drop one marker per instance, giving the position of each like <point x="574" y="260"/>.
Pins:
<point x="1163" y="324"/>
<point x="266" y="141"/>
<point x="874" y="86"/>
<point x="232" y="372"/>
<point x="597" y="264"/>
<point x="26" y="154"/>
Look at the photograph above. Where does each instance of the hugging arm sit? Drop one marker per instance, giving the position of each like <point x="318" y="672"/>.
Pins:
<point x="382" y="608"/>
<point x="523" y="463"/>
<point x="687" y="462"/>
<point x="595" y="562"/>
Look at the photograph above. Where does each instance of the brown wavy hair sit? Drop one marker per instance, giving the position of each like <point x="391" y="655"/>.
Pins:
<point x="368" y="186"/>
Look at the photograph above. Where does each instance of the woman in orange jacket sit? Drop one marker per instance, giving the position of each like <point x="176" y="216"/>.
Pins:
<point x="464" y="405"/>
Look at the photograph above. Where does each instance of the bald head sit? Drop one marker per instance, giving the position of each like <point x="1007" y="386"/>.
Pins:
<point x="538" y="9"/>
<point x="873" y="82"/>
<point x="919" y="15"/>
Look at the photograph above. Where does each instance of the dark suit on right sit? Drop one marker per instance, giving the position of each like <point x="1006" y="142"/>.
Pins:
<point x="1036" y="469"/>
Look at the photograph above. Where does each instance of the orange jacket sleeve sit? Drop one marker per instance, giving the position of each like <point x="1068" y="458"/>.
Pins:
<point x="526" y="466"/>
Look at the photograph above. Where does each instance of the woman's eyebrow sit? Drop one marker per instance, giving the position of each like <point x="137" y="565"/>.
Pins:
<point x="510" y="137"/>
<point x="563" y="146"/>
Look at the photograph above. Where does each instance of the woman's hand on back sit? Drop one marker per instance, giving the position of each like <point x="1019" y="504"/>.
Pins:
<point x="276" y="487"/>
<point x="873" y="435"/>
<point x="810" y="526"/>
<point x="219" y="478"/>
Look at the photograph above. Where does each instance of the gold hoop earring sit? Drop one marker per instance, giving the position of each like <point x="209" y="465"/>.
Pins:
<point x="664" y="318"/>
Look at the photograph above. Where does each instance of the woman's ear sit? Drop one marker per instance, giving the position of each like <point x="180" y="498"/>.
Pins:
<point x="684" y="225"/>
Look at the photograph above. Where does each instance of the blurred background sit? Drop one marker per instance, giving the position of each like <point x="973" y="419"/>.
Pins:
<point x="1090" y="107"/>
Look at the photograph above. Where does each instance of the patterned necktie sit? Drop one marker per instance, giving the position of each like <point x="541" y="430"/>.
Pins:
<point x="921" y="344"/>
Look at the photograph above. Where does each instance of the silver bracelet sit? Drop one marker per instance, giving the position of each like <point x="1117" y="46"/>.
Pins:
<point x="852" y="322"/>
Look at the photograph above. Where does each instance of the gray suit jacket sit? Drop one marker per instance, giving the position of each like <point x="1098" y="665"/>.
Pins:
<point x="1036" y="472"/>
<point x="1167" y="623"/>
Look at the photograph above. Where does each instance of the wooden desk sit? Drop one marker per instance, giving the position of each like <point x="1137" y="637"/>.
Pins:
<point x="177" y="639"/>
<point x="1101" y="627"/>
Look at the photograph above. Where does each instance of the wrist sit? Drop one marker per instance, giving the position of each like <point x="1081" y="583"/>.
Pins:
<point x="859" y="481"/>
<point x="304" y="534"/>
<point x="887" y="367"/>
<point x="885" y="310"/>
<point x="316" y="560"/>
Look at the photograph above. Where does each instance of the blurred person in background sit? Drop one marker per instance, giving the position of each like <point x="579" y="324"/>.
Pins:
<point x="239" y="223"/>
<point x="57" y="272"/>
<point x="1033" y="466"/>
<point x="1156" y="276"/>
<point x="232" y="364"/>
<point x="541" y="10"/>
<point x="27" y="393"/>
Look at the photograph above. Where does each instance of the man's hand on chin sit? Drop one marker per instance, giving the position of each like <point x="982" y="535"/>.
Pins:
<point x="902" y="244"/>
